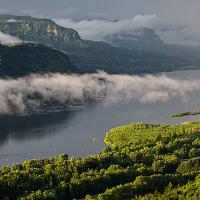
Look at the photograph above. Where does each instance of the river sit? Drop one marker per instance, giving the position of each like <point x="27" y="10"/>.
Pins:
<point x="73" y="131"/>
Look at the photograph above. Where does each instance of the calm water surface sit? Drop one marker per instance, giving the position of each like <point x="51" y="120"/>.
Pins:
<point x="72" y="131"/>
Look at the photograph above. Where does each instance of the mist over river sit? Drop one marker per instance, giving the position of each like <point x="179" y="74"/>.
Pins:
<point x="72" y="129"/>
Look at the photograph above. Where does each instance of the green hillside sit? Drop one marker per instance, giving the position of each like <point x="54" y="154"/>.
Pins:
<point x="184" y="114"/>
<point x="140" y="161"/>
<point x="23" y="59"/>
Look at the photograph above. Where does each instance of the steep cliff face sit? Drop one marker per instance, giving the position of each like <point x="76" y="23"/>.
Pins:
<point x="43" y="31"/>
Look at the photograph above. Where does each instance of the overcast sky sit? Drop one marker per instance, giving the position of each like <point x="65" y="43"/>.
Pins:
<point x="187" y="10"/>
<point x="168" y="12"/>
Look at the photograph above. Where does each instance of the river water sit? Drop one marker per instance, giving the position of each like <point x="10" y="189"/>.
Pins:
<point x="73" y="131"/>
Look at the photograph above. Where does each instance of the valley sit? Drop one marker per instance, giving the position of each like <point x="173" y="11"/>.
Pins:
<point x="92" y="117"/>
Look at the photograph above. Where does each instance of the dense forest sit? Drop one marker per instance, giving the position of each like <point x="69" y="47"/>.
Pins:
<point x="23" y="59"/>
<point x="139" y="161"/>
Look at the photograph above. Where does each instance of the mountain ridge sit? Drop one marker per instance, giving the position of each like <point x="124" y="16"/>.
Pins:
<point x="88" y="56"/>
<point x="33" y="29"/>
<point x="148" y="40"/>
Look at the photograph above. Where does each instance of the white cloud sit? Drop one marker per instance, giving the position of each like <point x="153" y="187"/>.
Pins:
<point x="99" y="29"/>
<point x="32" y="92"/>
<point x="13" y="20"/>
<point x="8" y="39"/>
<point x="181" y="34"/>
<point x="173" y="32"/>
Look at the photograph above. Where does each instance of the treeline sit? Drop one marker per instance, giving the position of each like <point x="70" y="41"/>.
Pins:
<point x="24" y="59"/>
<point x="140" y="161"/>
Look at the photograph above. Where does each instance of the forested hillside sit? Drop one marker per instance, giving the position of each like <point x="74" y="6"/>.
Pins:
<point x="140" y="161"/>
<point x="23" y="59"/>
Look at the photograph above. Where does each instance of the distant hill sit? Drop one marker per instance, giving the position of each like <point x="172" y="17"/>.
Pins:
<point x="141" y="38"/>
<point x="119" y="60"/>
<point x="147" y="39"/>
<point x="88" y="56"/>
<point x="23" y="59"/>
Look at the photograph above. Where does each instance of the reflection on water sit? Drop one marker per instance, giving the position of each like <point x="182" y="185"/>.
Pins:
<point x="72" y="131"/>
<point x="18" y="126"/>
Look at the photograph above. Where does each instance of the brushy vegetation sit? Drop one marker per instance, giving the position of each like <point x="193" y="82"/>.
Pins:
<point x="185" y="114"/>
<point x="140" y="161"/>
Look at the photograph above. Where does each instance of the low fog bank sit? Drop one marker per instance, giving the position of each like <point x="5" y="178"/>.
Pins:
<point x="8" y="39"/>
<point x="170" y="31"/>
<point x="18" y="96"/>
<point x="98" y="29"/>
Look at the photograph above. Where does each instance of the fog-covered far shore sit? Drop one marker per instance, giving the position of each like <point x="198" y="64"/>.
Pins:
<point x="30" y="93"/>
